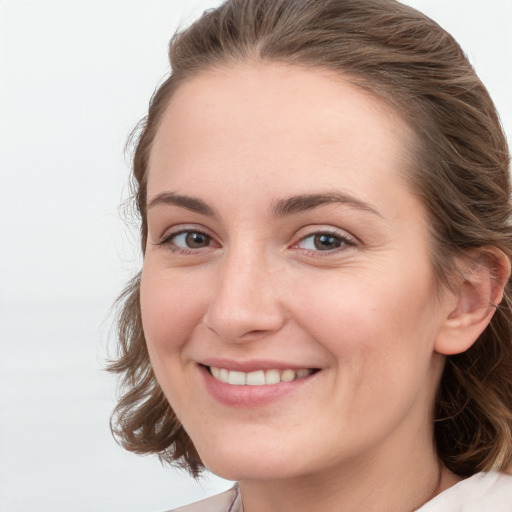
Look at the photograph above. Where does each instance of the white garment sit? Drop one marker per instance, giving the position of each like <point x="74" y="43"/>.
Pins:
<point x="228" y="501"/>
<point x="483" y="492"/>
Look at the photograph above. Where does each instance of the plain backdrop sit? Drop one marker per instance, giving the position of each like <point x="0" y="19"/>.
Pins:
<point x="75" y="77"/>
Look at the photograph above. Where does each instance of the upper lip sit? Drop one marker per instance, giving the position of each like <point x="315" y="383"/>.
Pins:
<point x="252" y="365"/>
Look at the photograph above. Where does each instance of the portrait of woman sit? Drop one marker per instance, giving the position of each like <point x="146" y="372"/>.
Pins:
<point x="323" y="313"/>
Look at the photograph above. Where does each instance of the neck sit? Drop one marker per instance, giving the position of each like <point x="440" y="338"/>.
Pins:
<point x="372" y="484"/>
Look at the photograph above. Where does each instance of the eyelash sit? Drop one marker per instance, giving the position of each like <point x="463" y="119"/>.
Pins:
<point x="343" y="240"/>
<point x="167" y="241"/>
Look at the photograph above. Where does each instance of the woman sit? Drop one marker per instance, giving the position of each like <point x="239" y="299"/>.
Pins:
<point x="323" y="312"/>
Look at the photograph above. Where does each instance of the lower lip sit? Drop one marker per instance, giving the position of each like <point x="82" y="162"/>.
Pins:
<point x="250" y="396"/>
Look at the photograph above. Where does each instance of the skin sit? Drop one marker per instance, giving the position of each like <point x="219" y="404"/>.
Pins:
<point x="368" y="313"/>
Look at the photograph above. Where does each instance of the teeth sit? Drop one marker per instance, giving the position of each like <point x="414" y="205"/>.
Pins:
<point x="302" y="373"/>
<point x="288" y="375"/>
<point x="224" y="375"/>
<point x="255" y="378"/>
<point x="272" y="377"/>
<point x="258" y="378"/>
<point x="237" y="378"/>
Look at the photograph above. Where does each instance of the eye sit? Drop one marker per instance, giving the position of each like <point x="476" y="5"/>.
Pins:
<point x="323" y="242"/>
<point x="187" y="240"/>
<point x="191" y="240"/>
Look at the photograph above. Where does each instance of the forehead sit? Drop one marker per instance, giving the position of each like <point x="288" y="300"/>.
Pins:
<point x="276" y="122"/>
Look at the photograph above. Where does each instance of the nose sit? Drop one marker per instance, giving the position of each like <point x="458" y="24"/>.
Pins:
<point x="245" y="303"/>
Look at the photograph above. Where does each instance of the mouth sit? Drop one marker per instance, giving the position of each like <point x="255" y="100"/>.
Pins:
<point x="259" y="377"/>
<point x="254" y="383"/>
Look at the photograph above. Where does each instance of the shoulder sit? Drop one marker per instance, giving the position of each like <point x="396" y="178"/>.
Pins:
<point x="483" y="491"/>
<point x="228" y="501"/>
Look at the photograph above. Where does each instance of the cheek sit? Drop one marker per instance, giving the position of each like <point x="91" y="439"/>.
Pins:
<point x="376" y="328"/>
<point x="171" y="307"/>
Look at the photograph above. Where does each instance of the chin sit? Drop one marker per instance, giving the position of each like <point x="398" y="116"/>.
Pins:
<point x="250" y="464"/>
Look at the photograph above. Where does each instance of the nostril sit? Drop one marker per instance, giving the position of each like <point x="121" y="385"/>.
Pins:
<point x="254" y="334"/>
<point x="235" y="320"/>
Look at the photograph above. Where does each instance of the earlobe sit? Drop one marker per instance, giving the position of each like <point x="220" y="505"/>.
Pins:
<point x="484" y="273"/>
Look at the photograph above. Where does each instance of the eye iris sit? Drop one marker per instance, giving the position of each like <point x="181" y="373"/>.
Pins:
<point x="197" y="240"/>
<point x="326" y="242"/>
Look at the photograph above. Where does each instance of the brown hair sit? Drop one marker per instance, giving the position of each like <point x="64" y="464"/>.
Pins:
<point x="461" y="175"/>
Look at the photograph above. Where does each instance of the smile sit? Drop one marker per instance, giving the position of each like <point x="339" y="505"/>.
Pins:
<point x="259" y="377"/>
<point x="254" y="383"/>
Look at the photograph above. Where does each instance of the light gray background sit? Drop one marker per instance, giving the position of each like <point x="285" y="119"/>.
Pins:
<point x="75" y="77"/>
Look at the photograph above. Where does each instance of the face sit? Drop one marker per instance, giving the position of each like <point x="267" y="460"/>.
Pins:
<point x="288" y="299"/>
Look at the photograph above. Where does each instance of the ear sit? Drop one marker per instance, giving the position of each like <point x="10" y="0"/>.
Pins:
<point x="483" y="275"/>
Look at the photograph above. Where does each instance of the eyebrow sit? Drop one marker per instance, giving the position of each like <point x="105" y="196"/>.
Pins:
<point x="304" y="202"/>
<point x="189" y="203"/>
<point x="280" y="208"/>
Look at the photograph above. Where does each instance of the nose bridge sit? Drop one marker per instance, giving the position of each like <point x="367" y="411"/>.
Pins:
<point x="245" y="302"/>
